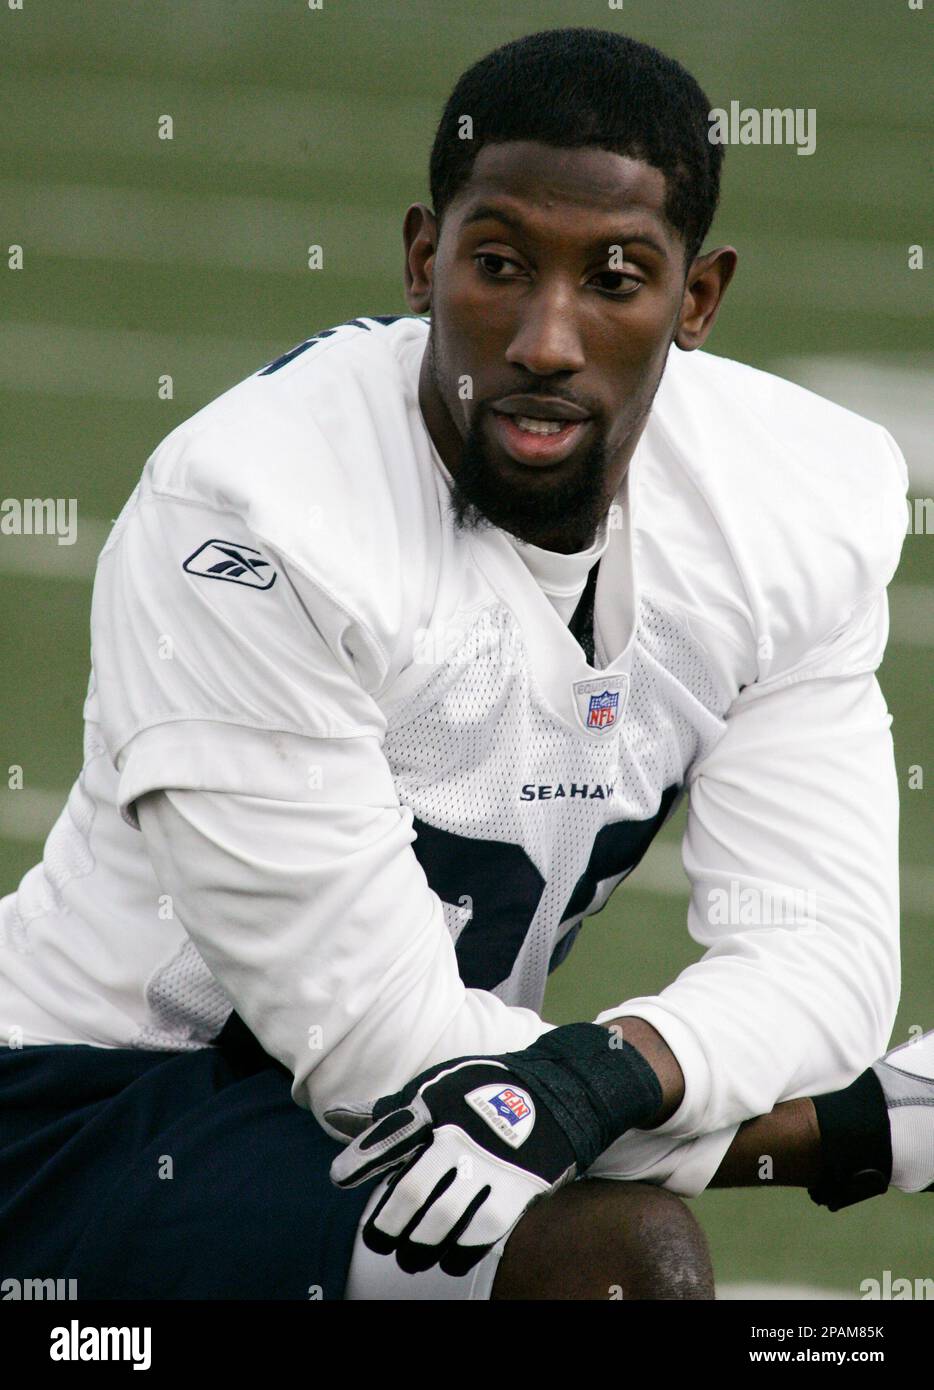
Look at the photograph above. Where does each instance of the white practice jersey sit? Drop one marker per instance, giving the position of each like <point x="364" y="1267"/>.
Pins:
<point x="380" y="785"/>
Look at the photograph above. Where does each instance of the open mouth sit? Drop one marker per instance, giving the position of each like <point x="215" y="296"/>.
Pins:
<point x="536" y="440"/>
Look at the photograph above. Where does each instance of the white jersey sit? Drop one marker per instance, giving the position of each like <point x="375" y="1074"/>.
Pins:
<point x="394" y="786"/>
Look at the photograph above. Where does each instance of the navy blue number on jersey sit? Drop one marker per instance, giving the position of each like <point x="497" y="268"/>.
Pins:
<point x="505" y="888"/>
<point x="294" y="352"/>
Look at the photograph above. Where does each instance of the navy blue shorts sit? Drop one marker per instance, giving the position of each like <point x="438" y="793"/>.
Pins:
<point x="89" y="1137"/>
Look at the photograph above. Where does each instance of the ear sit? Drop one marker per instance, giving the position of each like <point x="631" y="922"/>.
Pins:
<point x="704" y="289"/>
<point x="420" y="235"/>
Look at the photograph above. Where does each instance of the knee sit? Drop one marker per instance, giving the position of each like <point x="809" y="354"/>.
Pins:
<point x="661" y="1251"/>
<point x="599" y="1239"/>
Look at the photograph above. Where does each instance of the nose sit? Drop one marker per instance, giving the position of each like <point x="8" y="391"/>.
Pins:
<point x="547" y="339"/>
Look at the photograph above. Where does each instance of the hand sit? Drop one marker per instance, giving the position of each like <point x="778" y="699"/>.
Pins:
<point x="481" y="1138"/>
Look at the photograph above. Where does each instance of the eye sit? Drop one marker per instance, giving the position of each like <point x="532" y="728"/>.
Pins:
<point x="495" y="265"/>
<point x="617" y="283"/>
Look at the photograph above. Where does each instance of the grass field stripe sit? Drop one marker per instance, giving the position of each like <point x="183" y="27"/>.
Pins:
<point x="911" y="615"/>
<point x="825" y="277"/>
<point x="27" y="815"/>
<point x="153" y="226"/>
<point x="122" y="364"/>
<point x="266" y="125"/>
<point x="41" y="557"/>
<point x="808" y="1293"/>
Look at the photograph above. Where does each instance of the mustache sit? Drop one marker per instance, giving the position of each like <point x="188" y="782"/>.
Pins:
<point x="536" y="388"/>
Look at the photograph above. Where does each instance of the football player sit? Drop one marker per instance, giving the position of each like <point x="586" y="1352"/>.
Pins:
<point x="404" y="650"/>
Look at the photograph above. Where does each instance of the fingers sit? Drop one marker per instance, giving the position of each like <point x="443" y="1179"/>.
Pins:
<point x="449" y="1206"/>
<point x="389" y="1142"/>
<point x="414" y="1257"/>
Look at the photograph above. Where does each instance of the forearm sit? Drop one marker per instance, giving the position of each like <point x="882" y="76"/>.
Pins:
<point x="660" y="1058"/>
<point x="782" y="1147"/>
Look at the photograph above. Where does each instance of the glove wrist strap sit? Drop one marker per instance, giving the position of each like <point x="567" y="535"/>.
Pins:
<point x="597" y="1085"/>
<point x="856" y="1144"/>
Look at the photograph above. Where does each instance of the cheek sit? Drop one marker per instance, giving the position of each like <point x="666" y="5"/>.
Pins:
<point x="452" y="370"/>
<point x="482" y="318"/>
<point x="636" y="336"/>
<point x="634" y="367"/>
<point x="465" y="340"/>
<point x="631" y="357"/>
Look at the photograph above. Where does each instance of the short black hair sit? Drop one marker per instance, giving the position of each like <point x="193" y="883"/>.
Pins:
<point x="577" y="87"/>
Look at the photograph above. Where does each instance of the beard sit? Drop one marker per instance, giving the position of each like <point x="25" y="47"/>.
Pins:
<point x="575" y="505"/>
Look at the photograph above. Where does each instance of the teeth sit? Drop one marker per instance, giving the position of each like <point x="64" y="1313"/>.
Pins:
<point x="528" y="422"/>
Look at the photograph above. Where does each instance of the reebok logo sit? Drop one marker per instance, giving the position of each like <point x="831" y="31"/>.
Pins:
<point x="235" y="563"/>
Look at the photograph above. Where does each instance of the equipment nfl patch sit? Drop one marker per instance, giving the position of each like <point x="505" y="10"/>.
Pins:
<point x="601" y="703"/>
<point x="235" y="563"/>
<point x="507" y="1110"/>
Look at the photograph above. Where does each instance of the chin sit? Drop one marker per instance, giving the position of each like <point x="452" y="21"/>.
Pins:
<point x="562" y="501"/>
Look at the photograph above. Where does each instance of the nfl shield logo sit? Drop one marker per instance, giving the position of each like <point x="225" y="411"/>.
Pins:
<point x="509" y="1112"/>
<point x="601" y="704"/>
<point x="603" y="710"/>
<point x="511" y="1105"/>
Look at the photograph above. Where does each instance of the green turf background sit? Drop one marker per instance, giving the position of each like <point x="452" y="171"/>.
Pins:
<point x="295" y="126"/>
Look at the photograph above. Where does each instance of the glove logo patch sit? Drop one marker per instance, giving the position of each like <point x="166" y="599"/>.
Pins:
<point x="509" y="1112"/>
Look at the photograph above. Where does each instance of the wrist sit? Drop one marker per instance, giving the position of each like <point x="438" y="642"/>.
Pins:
<point x="653" y="1047"/>
<point x="597" y="1083"/>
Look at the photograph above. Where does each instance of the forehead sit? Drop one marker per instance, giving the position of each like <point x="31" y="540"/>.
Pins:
<point x="570" y="185"/>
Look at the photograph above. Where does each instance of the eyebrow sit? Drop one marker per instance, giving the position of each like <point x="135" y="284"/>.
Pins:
<point x="489" y="212"/>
